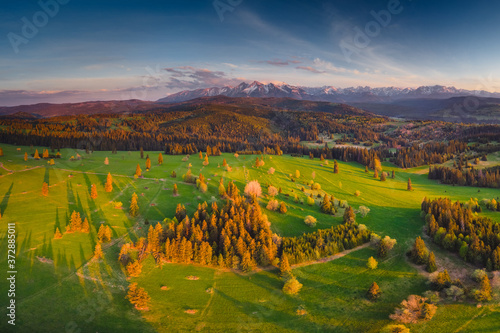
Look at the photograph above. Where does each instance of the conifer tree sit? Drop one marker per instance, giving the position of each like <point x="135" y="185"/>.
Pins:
<point x="393" y="174"/>
<point x="222" y="190"/>
<point x="224" y="163"/>
<point x="297" y="174"/>
<point x="431" y="263"/>
<point x="25" y="156"/>
<point x="46" y="153"/>
<point x="409" y="187"/>
<point x="45" y="189"/>
<point x="109" y="183"/>
<point x="175" y="190"/>
<point x="335" y="166"/>
<point x="160" y="159"/>
<point x="484" y="290"/>
<point x="285" y="269"/>
<point x="200" y="155"/>
<point x="93" y="191"/>
<point x="374" y="291"/>
<point x="382" y="177"/>
<point x="36" y="156"/>
<point x="205" y="161"/>
<point x="57" y="234"/>
<point x="106" y="161"/>
<point x="375" y="174"/>
<point x="349" y="215"/>
<point x="372" y="263"/>
<point x="134" y="206"/>
<point x="148" y="163"/>
<point x="138" y="297"/>
<point x="138" y="171"/>
<point x="419" y="252"/>
<point x="85" y="225"/>
<point x="326" y="204"/>
<point x="98" y="254"/>
<point x="366" y="168"/>
<point x="75" y="221"/>
<point x="142" y="153"/>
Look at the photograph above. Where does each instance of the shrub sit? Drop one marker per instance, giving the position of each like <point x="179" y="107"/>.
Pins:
<point x="310" y="201"/>
<point x="283" y="209"/>
<point x="272" y="191"/>
<point x="395" y="329"/>
<point x="310" y="221"/>
<point x="253" y="188"/>
<point x="357" y="193"/>
<point x="413" y="310"/>
<point x="374" y="291"/>
<point x="363" y="211"/>
<point x="271" y="171"/>
<point x="273" y="205"/>
<point x="292" y="286"/>
<point x="478" y="275"/>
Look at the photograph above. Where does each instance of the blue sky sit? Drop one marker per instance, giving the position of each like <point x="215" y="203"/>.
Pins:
<point x="103" y="50"/>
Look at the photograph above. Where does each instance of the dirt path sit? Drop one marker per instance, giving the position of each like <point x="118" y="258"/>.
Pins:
<point x="13" y="171"/>
<point x="330" y="258"/>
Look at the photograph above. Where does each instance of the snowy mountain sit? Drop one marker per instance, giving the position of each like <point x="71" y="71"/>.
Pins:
<point x="327" y="93"/>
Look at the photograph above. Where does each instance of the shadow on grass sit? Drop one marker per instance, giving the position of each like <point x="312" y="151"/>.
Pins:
<point x="5" y="200"/>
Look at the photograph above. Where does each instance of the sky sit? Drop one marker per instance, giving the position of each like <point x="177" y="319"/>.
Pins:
<point x="73" y="50"/>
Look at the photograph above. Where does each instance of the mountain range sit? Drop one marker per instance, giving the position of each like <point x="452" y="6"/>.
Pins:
<point x="328" y="93"/>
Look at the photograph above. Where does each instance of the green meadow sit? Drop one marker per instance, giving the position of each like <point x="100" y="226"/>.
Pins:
<point x="61" y="288"/>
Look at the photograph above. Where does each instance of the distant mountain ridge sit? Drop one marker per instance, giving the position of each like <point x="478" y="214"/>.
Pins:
<point x="327" y="93"/>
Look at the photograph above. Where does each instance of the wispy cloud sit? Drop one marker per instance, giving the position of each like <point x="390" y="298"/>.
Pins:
<point x="310" y="69"/>
<point x="279" y="62"/>
<point x="187" y="77"/>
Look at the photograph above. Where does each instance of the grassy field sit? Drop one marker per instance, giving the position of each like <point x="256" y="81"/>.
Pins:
<point x="87" y="295"/>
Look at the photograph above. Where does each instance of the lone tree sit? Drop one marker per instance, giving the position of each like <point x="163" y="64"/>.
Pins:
<point x="98" y="254"/>
<point x="57" y="234"/>
<point x="366" y="168"/>
<point x="383" y="177"/>
<point x="93" y="191"/>
<point x="25" y="156"/>
<point x="335" y="166"/>
<point x="45" y="189"/>
<point x="374" y="291"/>
<point x="431" y="263"/>
<point x="372" y="263"/>
<point x="142" y="153"/>
<point x="160" y="159"/>
<point x="409" y="187"/>
<point x="109" y="183"/>
<point x="36" y="156"/>
<point x="205" y="161"/>
<point x="283" y="209"/>
<point x="253" y="189"/>
<point x="134" y="207"/>
<point x="138" y="171"/>
<point x="106" y="161"/>
<point x="148" y="163"/>
<point x="375" y="174"/>
<point x="175" y="190"/>
<point x="138" y="297"/>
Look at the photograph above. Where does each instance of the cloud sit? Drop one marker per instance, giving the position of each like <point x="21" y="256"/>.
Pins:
<point x="187" y="77"/>
<point x="310" y="69"/>
<point x="278" y="62"/>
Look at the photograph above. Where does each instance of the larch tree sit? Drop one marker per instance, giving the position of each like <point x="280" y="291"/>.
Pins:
<point x="374" y="291"/>
<point x="45" y="189"/>
<point x="45" y="153"/>
<point x="93" y="191"/>
<point x="366" y="168"/>
<point x="283" y="209"/>
<point x="106" y="161"/>
<point x="160" y="159"/>
<point x="375" y="174"/>
<point x="349" y="215"/>
<point x="134" y="206"/>
<point x="175" y="190"/>
<point x="431" y="263"/>
<point x="285" y="269"/>
<point x="138" y="297"/>
<point x="409" y="187"/>
<point x="224" y="163"/>
<point x="335" y="166"/>
<point x="383" y="177"/>
<point x="297" y="174"/>
<point x="25" y="156"/>
<point x="142" y="153"/>
<point x="109" y="183"/>
<point x="75" y="221"/>
<point x="138" y="171"/>
<point x="57" y="234"/>
<point x="148" y="163"/>
<point x="36" y="156"/>
<point x="1" y="151"/>
<point x="85" y="225"/>
<point x="98" y="254"/>
<point x="200" y="155"/>
<point x="205" y="161"/>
